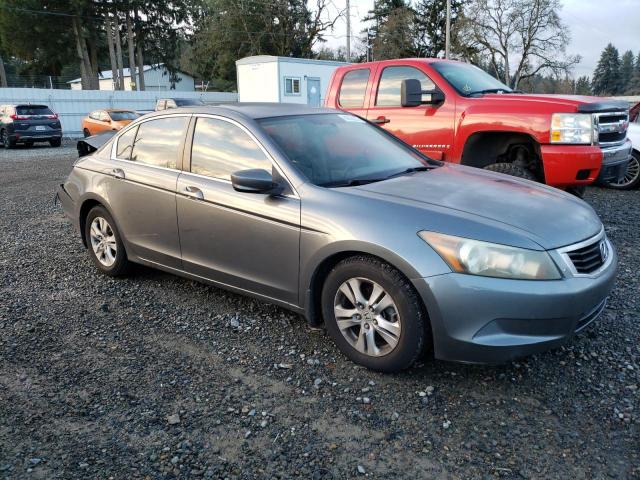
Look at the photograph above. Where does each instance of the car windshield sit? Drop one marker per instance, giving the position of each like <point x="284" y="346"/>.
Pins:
<point x="468" y="79"/>
<point x="124" y="115"/>
<point x="337" y="150"/>
<point x="33" y="110"/>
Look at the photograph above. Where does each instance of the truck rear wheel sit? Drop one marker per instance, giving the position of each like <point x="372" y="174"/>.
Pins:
<point x="512" y="169"/>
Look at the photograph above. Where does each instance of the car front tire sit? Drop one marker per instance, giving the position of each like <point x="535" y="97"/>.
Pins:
<point x="374" y="314"/>
<point x="104" y="243"/>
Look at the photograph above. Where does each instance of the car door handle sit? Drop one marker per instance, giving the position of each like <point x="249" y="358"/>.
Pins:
<point x="380" y="120"/>
<point x="193" y="192"/>
<point x="118" y="173"/>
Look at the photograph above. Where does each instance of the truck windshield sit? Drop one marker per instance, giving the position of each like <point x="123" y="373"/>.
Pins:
<point x="340" y="150"/>
<point x="468" y="79"/>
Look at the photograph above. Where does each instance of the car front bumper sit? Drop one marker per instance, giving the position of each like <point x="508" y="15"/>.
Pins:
<point x="614" y="162"/>
<point x="491" y="320"/>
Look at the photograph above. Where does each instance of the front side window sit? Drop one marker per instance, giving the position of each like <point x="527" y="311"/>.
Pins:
<point x="158" y="141"/>
<point x="391" y="80"/>
<point x="353" y="88"/>
<point x="221" y="148"/>
<point x="292" y="86"/>
<point x="335" y="150"/>
<point x="94" y="115"/>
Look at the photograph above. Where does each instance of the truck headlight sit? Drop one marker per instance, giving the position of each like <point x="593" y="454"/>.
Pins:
<point x="474" y="257"/>
<point x="572" y="128"/>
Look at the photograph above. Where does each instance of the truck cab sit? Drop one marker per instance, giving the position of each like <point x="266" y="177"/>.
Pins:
<point x="456" y="112"/>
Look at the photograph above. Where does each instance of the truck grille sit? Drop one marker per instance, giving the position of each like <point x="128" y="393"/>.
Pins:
<point x="611" y="127"/>
<point x="590" y="258"/>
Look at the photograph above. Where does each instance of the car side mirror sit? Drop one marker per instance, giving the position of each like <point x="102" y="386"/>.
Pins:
<point x="255" y="180"/>
<point x="412" y="95"/>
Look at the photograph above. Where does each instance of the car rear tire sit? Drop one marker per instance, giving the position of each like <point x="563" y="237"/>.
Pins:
<point x="374" y="314"/>
<point x="512" y="169"/>
<point x="6" y="141"/>
<point x="104" y="243"/>
<point x="86" y="133"/>
<point x="56" y="142"/>
<point x="631" y="178"/>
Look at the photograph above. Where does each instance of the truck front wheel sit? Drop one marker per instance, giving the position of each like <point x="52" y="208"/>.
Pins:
<point x="512" y="169"/>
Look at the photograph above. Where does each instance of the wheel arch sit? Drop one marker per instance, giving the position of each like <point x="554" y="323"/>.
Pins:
<point x="85" y="207"/>
<point x="313" y="282"/>
<point x="484" y="148"/>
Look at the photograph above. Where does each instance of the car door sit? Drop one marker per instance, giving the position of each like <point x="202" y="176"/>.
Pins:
<point x="429" y="128"/>
<point x="142" y="191"/>
<point x="245" y="240"/>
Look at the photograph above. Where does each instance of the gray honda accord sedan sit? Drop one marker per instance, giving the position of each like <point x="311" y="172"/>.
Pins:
<point x="325" y="214"/>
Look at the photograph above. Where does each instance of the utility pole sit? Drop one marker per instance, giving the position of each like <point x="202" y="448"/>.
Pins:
<point x="447" y="41"/>
<point x="348" y="31"/>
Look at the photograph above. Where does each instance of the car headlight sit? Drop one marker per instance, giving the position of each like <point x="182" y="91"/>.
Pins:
<point x="474" y="257"/>
<point x="572" y="128"/>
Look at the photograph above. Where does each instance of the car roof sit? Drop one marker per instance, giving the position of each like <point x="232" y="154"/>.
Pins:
<point x="250" y="110"/>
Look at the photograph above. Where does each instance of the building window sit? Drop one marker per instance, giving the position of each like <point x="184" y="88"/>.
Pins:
<point x="291" y="85"/>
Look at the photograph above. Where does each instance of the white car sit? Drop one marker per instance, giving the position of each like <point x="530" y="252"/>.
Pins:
<point x="632" y="177"/>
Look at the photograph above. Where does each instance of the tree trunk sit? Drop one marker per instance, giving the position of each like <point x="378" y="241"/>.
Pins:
<point x="93" y="60"/>
<point x="82" y="58"/>
<point x="3" y="75"/>
<point x="112" y="52"/>
<point x="118" y="52"/>
<point x="132" y="54"/>
<point x="139" y="59"/>
<point x="140" y="63"/>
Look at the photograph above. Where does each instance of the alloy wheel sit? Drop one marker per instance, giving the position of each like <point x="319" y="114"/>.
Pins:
<point x="367" y="317"/>
<point x="631" y="175"/>
<point x="103" y="241"/>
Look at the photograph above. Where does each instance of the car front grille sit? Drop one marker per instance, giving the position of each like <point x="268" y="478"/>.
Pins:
<point x="590" y="258"/>
<point x="611" y="127"/>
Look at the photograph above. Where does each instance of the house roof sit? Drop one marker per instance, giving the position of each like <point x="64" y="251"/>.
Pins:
<point x="108" y="74"/>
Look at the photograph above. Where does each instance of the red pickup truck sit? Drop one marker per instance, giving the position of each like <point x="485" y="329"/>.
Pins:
<point x="456" y="112"/>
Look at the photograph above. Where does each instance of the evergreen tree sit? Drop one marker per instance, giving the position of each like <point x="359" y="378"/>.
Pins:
<point x="430" y="26"/>
<point x="583" y="86"/>
<point x="391" y="29"/>
<point x="634" y="84"/>
<point x="606" y="77"/>
<point x="626" y="70"/>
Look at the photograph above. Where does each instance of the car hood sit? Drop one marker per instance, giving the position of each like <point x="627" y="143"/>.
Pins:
<point x="569" y="103"/>
<point x="549" y="217"/>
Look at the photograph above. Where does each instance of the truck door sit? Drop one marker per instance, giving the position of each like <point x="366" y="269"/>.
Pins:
<point x="429" y="128"/>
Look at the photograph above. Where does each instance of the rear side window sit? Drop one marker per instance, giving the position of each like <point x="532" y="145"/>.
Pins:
<point x="33" y="110"/>
<point x="221" y="148"/>
<point x="158" y="142"/>
<point x="391" y="80"/>
<point x="353" y="88"/>
<point x="125" y="144"/>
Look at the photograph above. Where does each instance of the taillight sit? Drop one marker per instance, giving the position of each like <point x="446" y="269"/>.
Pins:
<point x="53" y="117"/>
<point x="18" y="117"/>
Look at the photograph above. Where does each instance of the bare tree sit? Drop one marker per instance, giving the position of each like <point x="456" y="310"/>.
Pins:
<point x="520" y="37"/>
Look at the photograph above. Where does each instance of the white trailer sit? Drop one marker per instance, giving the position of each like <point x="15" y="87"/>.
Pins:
<point x="266" y="78"/>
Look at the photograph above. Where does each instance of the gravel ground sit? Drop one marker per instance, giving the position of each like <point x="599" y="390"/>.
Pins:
<point x="155" y="376"/>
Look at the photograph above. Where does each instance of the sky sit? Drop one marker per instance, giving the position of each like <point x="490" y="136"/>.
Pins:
<point x="592" y="23"/>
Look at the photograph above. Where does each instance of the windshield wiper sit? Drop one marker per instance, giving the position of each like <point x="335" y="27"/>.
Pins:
<point x="409" y="170"/>
<point x="352" y="183"/>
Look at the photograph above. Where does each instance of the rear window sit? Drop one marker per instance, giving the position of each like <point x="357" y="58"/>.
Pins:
<point x="33" y="110"/>
<point x="353" y="88"/>
<point x="119" y="116"/>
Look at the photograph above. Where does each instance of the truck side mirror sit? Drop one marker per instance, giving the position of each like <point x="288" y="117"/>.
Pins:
<point x="412" y="95"/>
